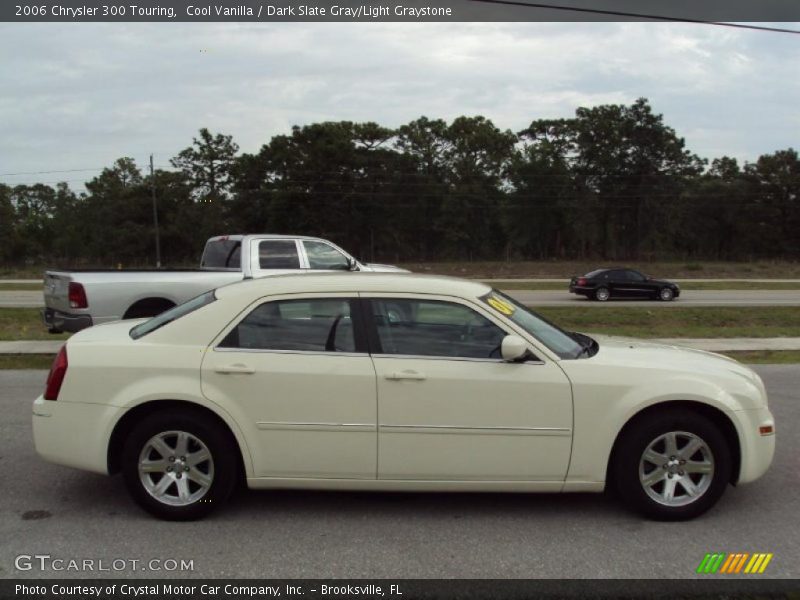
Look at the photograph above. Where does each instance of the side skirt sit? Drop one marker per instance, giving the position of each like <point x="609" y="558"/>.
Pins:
<point x="423" y="486"/>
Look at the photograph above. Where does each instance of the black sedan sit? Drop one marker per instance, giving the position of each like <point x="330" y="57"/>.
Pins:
<point x="603" y="284"/>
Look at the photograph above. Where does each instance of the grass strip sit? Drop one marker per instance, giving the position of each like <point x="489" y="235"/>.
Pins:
<point x="762" y="357"/>
<point x="766" y="357"/>
<point x="20" y="287"/>
<point x="24" y="324"/>
<point x="633" y="321"/>
<point x="26" y="361"/>
<point x="689" y="322"/>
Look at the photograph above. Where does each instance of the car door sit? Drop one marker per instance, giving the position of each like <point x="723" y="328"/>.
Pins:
<point x="450" y="409"/>
<point x="297" y="374"/>
<point x="322" y="256"/>
<point x="618" y="283"/>
<point x="638" y="285"/>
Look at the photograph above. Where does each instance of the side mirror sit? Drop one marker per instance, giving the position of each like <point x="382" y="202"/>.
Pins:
<point x="352" y="264"/>
<point x="514" y="349"/>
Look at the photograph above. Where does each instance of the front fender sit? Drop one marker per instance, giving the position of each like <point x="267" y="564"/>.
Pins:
<point x="602" y="411"/>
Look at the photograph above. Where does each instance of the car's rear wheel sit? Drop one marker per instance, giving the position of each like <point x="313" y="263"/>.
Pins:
<point x="179" y="465"/>
<point x="671" y="465"/>
<point x="666" y="295"/>
<point x="602" y="294"/>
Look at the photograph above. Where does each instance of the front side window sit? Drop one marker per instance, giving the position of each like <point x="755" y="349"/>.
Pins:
<point x="313" y="325"/>
<point x="278" y="254"/>
<point x="635" y="276"/>
<point x="434" y="328"/>
<point x="325" y="257"/>
<point x="555" y="338"/>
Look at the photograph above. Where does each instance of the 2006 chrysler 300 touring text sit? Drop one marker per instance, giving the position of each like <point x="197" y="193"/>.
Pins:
<point x="395" y="382"/>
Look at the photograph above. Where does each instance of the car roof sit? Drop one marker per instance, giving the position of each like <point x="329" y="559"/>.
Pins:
<point x="267" y="236"/>
<point x="303" y="283"/>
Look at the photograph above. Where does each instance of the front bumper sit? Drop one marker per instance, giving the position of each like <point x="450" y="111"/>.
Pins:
<point x="57" y="321"/>
<point x="757" y="450"/>
<point x="74" y="434"/>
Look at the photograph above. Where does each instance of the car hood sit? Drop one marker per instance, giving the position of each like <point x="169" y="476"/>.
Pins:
<point x="663" y="282"/>
<point x="636" y="352"/>
<point x="379" y="268"/>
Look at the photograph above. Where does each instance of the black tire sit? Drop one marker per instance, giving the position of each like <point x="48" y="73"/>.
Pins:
<point x="223" y="464"/>
<point x="624" y="469"/>
<point x="666" y="295"/>
<point x="602" y="294"/>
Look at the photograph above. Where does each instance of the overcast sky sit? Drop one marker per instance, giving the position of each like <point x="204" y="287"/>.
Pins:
<point x="78" y="96"/>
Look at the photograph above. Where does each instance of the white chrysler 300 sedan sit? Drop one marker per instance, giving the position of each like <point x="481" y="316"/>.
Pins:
<point x="395" y="382"/>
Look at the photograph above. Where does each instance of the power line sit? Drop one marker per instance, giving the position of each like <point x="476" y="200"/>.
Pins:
<point x="619" y="13"/>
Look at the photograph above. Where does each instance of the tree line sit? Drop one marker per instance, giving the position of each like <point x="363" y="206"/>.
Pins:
<point x="613" y="182"/>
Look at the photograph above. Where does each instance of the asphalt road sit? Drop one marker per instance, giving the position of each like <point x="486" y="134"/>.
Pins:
<point x="30" y="298"/>
<point x="69" y="514"/>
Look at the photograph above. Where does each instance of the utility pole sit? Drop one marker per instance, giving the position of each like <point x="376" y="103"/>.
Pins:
<point x="155" y="213"/>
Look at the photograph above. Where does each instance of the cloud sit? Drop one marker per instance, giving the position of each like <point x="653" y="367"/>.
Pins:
<point x="81" y="95"/>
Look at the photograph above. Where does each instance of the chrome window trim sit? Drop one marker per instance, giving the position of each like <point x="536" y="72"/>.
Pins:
<point x="277" y="351"/>
<point x="455" y="358"/>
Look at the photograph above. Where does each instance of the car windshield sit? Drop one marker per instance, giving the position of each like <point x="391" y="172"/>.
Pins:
<point x="173" y="313"/>
<point x="552" y="336"/>
<point x="594" y="273"/>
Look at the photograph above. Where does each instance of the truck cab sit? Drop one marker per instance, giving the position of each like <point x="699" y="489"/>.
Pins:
<point x="268" y="254"/>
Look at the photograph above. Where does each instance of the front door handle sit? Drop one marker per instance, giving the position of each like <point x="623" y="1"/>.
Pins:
<point x="398" y="375"/>
<point x="235" y="368"/>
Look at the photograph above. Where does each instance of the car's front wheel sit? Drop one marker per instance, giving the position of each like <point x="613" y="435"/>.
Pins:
<point x="179" y="465"/>
<point x="672" y="465"/>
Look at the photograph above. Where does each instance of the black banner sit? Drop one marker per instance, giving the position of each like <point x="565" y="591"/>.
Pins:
<point x="399" y="10"/>
<point x="400" y="589"/>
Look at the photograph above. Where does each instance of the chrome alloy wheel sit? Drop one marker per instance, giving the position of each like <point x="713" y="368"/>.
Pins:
<point x="176" y="468"/>
<point x="676" y="468"/>
<point x="666" y="294"/>
<point x="602" y="294"/>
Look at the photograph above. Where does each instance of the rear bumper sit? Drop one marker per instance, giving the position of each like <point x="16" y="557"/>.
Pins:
<point x="576" y="289"/>
<point x="55" y="320"/>
<point x="74" y="434"/>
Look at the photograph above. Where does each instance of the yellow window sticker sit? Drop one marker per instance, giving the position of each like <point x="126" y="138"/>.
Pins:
<point x="500" y="305"/>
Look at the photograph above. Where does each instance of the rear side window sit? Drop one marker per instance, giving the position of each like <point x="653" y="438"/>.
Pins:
<point x="278" y="254"/>
<point x="172" y="314"/>
<point x="222" y="254"/>
<point x="313" y="325"/>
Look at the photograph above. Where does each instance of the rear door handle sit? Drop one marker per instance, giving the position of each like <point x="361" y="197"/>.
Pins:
<point x="398" y="375"/>
<point x="235" y="368"/>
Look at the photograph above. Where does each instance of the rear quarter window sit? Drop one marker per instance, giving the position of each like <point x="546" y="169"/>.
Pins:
<point x="172" y="314"/>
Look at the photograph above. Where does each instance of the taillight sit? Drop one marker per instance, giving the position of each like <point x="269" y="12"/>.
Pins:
<point x="581" y="281"/>
<point x="77" y="296"/>
<point x="56" y="375"/>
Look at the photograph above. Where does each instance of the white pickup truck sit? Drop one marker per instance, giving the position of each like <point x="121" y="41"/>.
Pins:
<point x="77" y="299"/>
